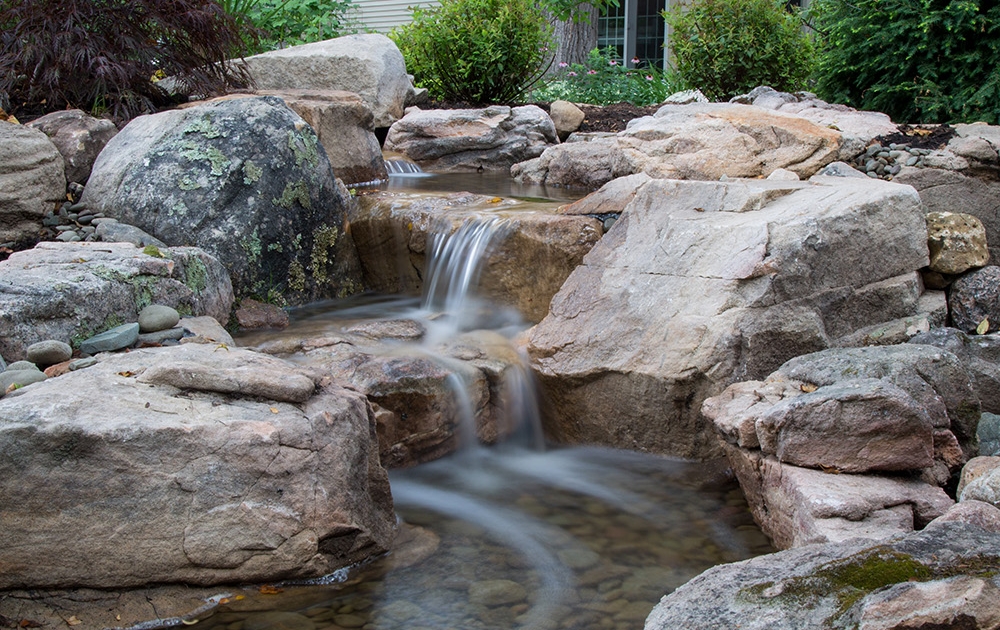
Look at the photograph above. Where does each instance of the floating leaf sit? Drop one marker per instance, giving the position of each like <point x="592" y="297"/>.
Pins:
<point x="267" y="589"/>
<point x="808" y="387"/>
<point x="983" y="326"/>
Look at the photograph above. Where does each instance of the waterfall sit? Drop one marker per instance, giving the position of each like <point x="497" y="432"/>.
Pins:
<point x="402" y="168"/>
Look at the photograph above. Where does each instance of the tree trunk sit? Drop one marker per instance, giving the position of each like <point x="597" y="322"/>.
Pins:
<point x="574" y="40"/>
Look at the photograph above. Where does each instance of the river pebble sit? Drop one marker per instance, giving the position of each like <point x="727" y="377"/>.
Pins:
<point x="49" y="352"/>
<point x="157" y="317"/>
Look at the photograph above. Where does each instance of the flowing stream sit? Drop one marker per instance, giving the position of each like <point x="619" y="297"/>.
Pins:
<point x="519" y="535"/>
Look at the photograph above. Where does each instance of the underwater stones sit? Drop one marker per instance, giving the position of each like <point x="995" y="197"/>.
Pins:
<point x="248" y="181"/>
<point x="32" y="181"/>
<point x="700" y="284"/>
<point x="221" y="485"/>
<point x="73" y="291"/>
<point x="496" y="593"/>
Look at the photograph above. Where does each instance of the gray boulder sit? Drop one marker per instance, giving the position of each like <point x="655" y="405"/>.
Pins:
<point x="369" y="65"/>
<point x="493" y="138"/>
<point x="943" y="577"/>
<point x="246" y="180"/>
<point x="696" y="141"/>
<point x="78" y="137"/>
<point x="974" y="297"/>
<point x="979" y="354"/>
<point x="71" y="291"/>
<point x="32" y="181"/>
<point x="701" y="284"/>
<point x="981" y="481"/>
<point x="217" y="479"/>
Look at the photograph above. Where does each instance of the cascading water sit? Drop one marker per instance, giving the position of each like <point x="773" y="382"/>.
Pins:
<point x="523" y="537"/>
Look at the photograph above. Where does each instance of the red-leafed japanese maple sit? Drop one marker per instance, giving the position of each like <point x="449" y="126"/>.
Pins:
<point x="100" y="55"/>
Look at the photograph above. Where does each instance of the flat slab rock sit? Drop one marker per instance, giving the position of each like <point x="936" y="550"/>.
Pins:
<point x="942" y="577"/>
<point x="229" y="466"/>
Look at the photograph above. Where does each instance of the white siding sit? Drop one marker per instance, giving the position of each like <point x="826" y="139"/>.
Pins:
<point x="382" y="15"/>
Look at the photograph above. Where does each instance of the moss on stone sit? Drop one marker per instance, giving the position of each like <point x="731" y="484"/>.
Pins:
<point x="294" y="191"/>
<point x="186" y="183"/>
<point x="304" y="146"/>
<point x="195" y="275"/>
<point x="195" y="153"/>
<point x="142" y="291"/>
<point x="323" y="251"/>
<point x="251" y="173"/>
<point x="205" y="127"/>
<point x="296" y="276"/>
<point x="185" y="310"/>
<point x="152" y="250"/>
<point x="252" y="246"/>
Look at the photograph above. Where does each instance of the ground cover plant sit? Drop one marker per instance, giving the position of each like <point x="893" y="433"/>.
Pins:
<point x="99" y="55"/>
<point x="604" y="79"/>
<point x="476" y="51"/>
<point x="928" y="61"/>
<point x="282" y="23"/>
<point x="728" y="47"/>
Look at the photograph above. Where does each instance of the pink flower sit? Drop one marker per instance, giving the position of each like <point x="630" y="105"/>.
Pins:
<point x="563" y="64"/>
<point x="591" y="71"/>
<point x="571" y="74"/>
<point x="649" y="77"/>
<point x="612" y="63"/>
<point x="635" y="60"/>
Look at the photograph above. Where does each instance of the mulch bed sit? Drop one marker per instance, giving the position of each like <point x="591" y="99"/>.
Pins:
<point x="920" y="136"/>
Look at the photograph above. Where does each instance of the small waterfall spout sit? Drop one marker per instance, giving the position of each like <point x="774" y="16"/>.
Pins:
<point x="454" y="264"/>
<point x="397" y="168"/>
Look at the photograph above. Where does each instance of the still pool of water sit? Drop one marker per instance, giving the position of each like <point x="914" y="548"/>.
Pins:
<point x="581" y="538"/>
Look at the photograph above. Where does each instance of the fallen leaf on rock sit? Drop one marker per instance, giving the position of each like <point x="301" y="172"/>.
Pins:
<point x="267" y="589"/>
<point x="274" y="410"/>
<point x="73" y="621"/>
<point x="29" y="623"/>
<point x="127" y="374"/>
<point x="221" y="346"/>
<point x="983" y="326"/>
<point x="808" y="387"/>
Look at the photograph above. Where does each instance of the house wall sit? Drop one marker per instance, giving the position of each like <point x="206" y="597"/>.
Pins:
<point x="382" y="15"/>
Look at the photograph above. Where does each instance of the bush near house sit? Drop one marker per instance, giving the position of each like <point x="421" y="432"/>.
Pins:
<point x="916" y="60"/>
<point x="99" y="55"/>
<point x="728" y="47"/>
<point x="476" y="51"/>
<point x="603" y="79"/>
<point x="282" y="23"/>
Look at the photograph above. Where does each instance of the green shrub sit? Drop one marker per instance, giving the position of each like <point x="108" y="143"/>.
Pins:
<point x="603" y="79"/>
<point x="476" y="51"/>
<point x="281" y="23"/>
<point x="916" y="60"/>
<point x="100" y="55"/>
<point x="728" y="47"/>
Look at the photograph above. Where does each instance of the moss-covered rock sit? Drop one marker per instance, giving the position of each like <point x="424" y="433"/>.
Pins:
<point x="245" y="179"/>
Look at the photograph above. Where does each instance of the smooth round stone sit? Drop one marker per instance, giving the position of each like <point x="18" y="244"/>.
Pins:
<point x="350" y="621"/>
<point x="68" y="237"/>
<point x="20" y="378"/>
<point x="156" y="317"/>
<point x="279" y="621"/>
<point x="496" y="593"/>
<point x="22" y="365"/>
<point x="49" y="352"/>
<point x="161" y="336"/>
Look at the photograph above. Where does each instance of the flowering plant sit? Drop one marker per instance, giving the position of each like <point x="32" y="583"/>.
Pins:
<point x="604" y="79"/>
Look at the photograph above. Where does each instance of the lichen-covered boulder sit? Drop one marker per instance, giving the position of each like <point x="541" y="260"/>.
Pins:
<point x="71" y="291"/>
<point x="245" y="179"/>
<point x="32" y="181"/>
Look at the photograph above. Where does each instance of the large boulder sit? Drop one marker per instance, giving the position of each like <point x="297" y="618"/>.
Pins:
<point x="943" y="577"/>
<point x="527" y="262"/>
<point x="32" y="181"/>
<point x="229" y="466"/>
<point x="701" y="284"/>
<point x="493" y="138"/>
<point x="248" y="181"/>
<point x="696" y="141"/>
<point x="78" y="137"/>
<point x="71" y="291"/>
<point x="369" y="65"/>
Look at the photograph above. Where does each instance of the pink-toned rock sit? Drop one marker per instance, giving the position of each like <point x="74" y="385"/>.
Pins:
<point x="253" y="315"/>
<point x="799" y="506"/>
<point x="963" y="601"/>
<point x="978" y="513"/>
